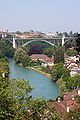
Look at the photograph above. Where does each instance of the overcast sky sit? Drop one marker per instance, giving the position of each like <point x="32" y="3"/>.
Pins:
<point x="40" y="15"/>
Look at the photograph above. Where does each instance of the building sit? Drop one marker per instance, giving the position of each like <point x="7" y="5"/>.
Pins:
<point x="42" y="57"/>
<point x="72" y="63"/>
<point x="69" y="102"/>
<point x="51" y="35"/>
<point x="4" y="33"/>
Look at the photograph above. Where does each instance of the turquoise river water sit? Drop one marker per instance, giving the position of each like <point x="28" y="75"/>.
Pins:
<point x="43" y="86"/>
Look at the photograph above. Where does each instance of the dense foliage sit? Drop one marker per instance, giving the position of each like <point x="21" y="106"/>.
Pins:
<point x="37" y="47"/>
<point x="21" y="57"/>
<point x="49" y="51"/>
<point x="73" y="82"/>
<point x="69" y="44"/>
<point x="57" y="71"/>
<point x="46" y="69"/>
<point x="16" y="102"/>
<point x="67" y="83"/>
<point x="62" y="82"/>
<point x="71" y="52"/>
<point x="59" y="56"/>
<point x="78" y="44"/>
<point x="6" y="49"/>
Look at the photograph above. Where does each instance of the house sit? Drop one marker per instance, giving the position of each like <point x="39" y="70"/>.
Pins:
<point x="41" y="57"/>
<point x="72" y="63"/>
<point x="50" y="35"/>
<point x="69" y="102"/>
<point x="44" y="58"/>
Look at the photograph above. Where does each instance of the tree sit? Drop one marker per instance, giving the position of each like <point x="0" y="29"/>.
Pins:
<point x="49" y="51"/>
<point x="71" y="34"/>
<point x="19" y="55"/>
<point x="59" y="56"/>
<point x="22" y="57"/>
<point x="14" y="98"/>
<point x="62" y="82"/>
<point x="66" y="75"/>
<point x="70" y="43"/>
<point x="6" y="110"/>
<point x="39" y="62"/>
<point x="71" y="52"/>
<point x="75" y="34"/>
<point x="57" y="71"/>
<point x="6" y="49"/>
<point x="35" y="49"/>
<point x="18" y="32"/>
<point x="17" y="104"/>
<point x="78" y="44"/>
<point x="66" y="34"/>
<point x="26" y="60"/>
<point x="73" y="82"/>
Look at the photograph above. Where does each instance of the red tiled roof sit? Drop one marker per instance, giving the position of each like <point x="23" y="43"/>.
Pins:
<point x="72" y="66"/>
<point x="73" y="61"/>
<point x="50" y="67"/>
<point x="66" y="56"/>
<point x="72" y="104"/>
<point x="68" y="101"/>
<point x="68" y="95"/>
<point x="71" y="48"/>
<point x="78" y="71"/>
<point x="41" y="56"/>
<point x="38" y="56"/>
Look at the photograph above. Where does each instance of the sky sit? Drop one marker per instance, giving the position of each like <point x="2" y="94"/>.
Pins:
<point x="40" y="15"/>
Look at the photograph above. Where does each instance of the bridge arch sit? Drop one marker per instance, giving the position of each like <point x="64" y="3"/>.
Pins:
<point x="38" y="40"/>
<point x="9" y="40"/>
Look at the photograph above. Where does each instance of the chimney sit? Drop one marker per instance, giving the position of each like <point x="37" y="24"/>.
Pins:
<point x="79" y="92"/>
<point x="73" y="97"/>
<point x="68" y="108"/>
<point x="65" y="96"/>
<point x="58" y="99"/>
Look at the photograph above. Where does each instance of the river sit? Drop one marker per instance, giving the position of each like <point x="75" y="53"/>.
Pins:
<point x="43" y="86"/>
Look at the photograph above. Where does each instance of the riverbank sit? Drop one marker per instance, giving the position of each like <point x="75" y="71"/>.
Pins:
<point x="43" y="86"/>
<point x="36" y="70"/>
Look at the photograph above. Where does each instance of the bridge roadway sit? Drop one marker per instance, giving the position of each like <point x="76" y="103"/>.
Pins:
<point x="47" y="40"/>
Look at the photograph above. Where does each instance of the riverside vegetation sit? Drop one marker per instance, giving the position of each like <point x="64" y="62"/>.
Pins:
<point x="58" y="73"/>
<point x="15" y="102"/>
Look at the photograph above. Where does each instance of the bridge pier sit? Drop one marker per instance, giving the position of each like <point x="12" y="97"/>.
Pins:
<point x="63" y="39"/>
<point x="14" y="43"/>
<point x="58" y="43"/>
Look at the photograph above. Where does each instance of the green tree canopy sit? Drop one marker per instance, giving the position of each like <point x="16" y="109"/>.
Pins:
<point x="71" y="52"/>
<point x="66" y="75"/>
<point x="18" y="32"/>
<point x="62" y="82"/>
<point x="59" y="56"/>
<point x="73" y="82"/>
<point x="6" y="49"/>
<point x="78" y="44"/>
<point x="49" y="51"/>
<point x="57" y="71"/>
<point x="22" y="57"/>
